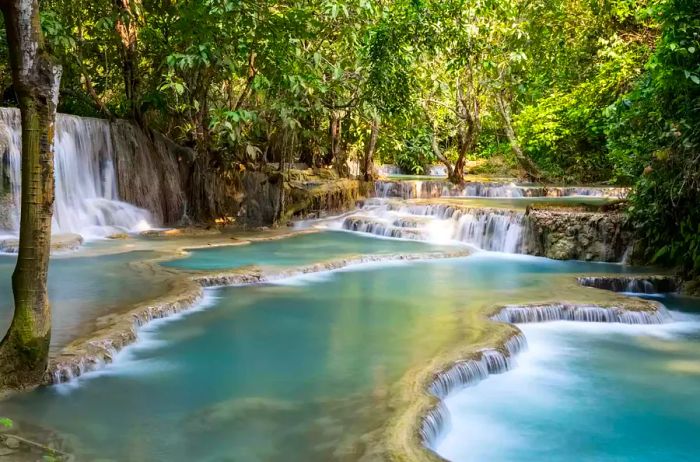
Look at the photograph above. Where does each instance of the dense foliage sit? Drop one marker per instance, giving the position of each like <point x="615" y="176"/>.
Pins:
<point x="654" y="135"/>
<point x="601" y="91"/>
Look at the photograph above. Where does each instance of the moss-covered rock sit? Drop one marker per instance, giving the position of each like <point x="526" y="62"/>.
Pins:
<point x="570" y="234"/>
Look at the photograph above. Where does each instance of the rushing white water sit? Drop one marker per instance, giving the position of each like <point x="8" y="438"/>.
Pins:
<point x="489" y="229"/>
<point x="559" y="381"/>
<point x="418" y="189"/>
<point x="582" y="313"/>
<point x="87" y="201"/>
<point x="427" y="189"/>
<point x="465" y="374"/>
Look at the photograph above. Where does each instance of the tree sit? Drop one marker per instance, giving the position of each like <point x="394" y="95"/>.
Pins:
<point x="25" y="349"/>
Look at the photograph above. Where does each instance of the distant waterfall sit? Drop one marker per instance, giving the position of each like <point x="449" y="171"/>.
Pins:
<point x="432" y="189"/>
<point x="87" y="201"/>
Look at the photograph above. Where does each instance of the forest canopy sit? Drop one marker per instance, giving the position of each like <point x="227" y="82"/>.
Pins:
<point x="575" y="91"/>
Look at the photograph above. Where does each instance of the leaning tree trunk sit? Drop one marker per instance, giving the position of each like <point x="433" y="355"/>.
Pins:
<point x="24" y="350"/>
<point x="440" y="156"/>
<point x="531" y="170"/>
<point x="368" y="172"/>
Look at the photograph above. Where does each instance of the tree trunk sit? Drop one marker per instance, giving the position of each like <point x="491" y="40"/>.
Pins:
<point x="25" y="348"/>
<point x="468" y="110"/>
<point x="457" y="174"/>
<point x="531" y="171"/>
<point x="368" y="173"/>
<point x="440" y="156"/>
<point x="337" y="153"/>
<point x="127" y="29"/>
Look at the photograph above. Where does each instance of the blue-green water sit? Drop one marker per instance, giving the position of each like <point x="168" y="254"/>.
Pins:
<point x="297" y="250"/>
<point x="588" y="393"/>
<point x="82" y="288"/>
<point x="300" y="371"/>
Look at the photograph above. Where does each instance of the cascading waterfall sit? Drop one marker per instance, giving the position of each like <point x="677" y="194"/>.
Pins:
<point x="87" y="202"/>
<point x="489" y="229"/>
<point x="432" y="189"/>
<point x="466" y="374"/>
<point x="640" y="285"/>
<point x="463" y="374"/>
<point x="582" y="313"/>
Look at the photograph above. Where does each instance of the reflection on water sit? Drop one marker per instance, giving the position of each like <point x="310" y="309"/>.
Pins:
<point x="82" y="288"/>
<point x="286" y="372"/>
<point x="298" y="250"/>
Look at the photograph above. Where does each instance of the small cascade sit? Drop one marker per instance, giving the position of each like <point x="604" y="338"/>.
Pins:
<point x="489" y="229"/>
<point x="437" y="170"/>
<point x="465" y="374"/>
<point x="87" y="202"/>
<point x="383" y="228"/>
<point x="619" y="193"/>
<point x="640" y="285"/>
<point x="433" y="189"/>
<point x="435" y="423"/>
<point x="582" y="313"/>
<point x="388" y="169"/>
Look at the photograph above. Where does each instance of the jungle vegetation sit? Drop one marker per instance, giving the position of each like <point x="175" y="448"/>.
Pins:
<point x="567" y="91"/>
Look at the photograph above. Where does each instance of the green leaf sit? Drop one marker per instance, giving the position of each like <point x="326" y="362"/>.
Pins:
<point x="4" y="422"/>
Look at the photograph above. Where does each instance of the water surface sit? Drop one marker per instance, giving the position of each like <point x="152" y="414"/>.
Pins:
<point x="584" y="392"/>
<point x="295" y="371"/>
<point x="82" y="289"/>
<point x="298" y="250"/>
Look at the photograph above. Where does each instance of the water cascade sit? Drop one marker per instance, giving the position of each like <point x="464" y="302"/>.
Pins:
<point x="432" y="189"/>
<point x="466" y="374"/>
<point x="87" y="201"/>
<point x="489" y="229"/>
<point x="463" y="374"/>
<point x="640" y="285"/>
<point x="563" y="312"/>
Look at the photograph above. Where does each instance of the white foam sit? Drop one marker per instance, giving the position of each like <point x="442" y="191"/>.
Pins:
<point x="87" y="201"/>
<point x="542" y="382"/>
<point x="129" y="361"/>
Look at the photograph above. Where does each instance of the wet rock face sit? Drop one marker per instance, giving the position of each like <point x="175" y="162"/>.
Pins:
<point x="637" y="284"/>
<point x="575" y="235"/>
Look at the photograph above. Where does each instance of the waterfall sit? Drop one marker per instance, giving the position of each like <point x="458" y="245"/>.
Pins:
<point x="489" y="229"/>
<point x="432" y="189"/>
<point x="635" y="284"/>
<point x="464" y="374"/>
<point x="86" y="199"/>
<point x="562" y="312"/>
<point x="491" y="361"/>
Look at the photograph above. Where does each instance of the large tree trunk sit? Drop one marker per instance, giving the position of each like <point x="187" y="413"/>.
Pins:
<point x="337" y="154"/>
<point x="127" y="29"/>
<point x="468" y="110"/>
<point x="440" y="156"/>
<point x="368" y="173"/>
<point x="24" y="350"/>
<point x="531" y="171"/>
